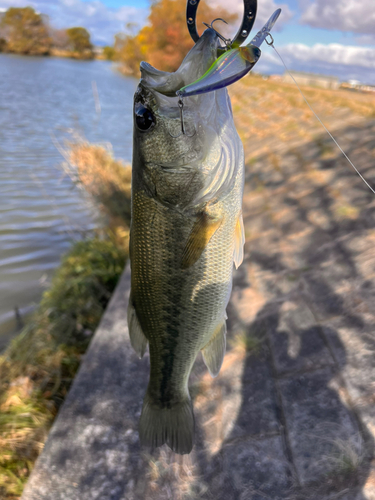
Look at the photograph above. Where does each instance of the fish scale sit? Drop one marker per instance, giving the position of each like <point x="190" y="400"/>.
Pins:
<point x="185" y="233"/>
<point x="157" y="286"/>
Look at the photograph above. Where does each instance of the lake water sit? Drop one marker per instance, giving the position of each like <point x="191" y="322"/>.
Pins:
<point x="41" y="211"/>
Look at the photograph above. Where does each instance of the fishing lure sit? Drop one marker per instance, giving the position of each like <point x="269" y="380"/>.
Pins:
<point x="227" y="69"/>
<point x="231" y="66"/>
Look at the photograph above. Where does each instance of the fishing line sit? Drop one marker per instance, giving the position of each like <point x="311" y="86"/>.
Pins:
<point x="271" y="43"/>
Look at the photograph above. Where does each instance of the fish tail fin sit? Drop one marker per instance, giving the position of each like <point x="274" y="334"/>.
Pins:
<point x="173" y="426"/>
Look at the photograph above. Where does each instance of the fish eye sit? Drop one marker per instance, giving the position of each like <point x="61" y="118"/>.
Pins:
<point x="144" y="118"/>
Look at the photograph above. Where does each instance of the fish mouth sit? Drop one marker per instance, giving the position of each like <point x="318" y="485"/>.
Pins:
<point x="196" y="63"/>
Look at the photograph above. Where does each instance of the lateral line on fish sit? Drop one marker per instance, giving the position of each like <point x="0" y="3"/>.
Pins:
<point x="317" y="117"/>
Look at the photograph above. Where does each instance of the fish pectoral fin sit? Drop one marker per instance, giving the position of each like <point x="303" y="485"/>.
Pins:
<point x="203" y="230"/>
<point x="239" y="241"/>
<point x="213" y="353"/>
<point x="138" y="339"/>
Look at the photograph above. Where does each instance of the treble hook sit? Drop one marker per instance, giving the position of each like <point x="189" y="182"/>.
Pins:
<point x="183" y="130"/>
<point x="227" y="41"/>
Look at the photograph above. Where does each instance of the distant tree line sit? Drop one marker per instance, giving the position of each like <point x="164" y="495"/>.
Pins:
<point x="23" y="31"/>
<point x="165" y="40"/>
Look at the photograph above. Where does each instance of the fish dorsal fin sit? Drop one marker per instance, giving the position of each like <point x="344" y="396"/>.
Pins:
<point x="137" y="337"/>
<point x="213" y="353"/>
<point x="202" y="232"/>
<point x="239" y="241"/>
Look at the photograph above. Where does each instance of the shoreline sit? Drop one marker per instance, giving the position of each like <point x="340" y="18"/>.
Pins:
<point x="63" y="54"/>
<point x="40" y="363"/>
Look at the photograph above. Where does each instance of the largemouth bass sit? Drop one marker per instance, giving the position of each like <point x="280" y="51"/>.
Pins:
<point x="186" y="232"/>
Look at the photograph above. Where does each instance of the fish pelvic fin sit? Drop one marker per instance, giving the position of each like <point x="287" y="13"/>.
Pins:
<point x="239" y="242"/>
<point x="201" y="234"/>
<point x="172" y="426"/>
<point x="213" y="353"/>
<point x="138" y="339"/>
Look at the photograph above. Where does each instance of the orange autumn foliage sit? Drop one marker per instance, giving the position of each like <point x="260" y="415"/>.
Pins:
<point x="165" y="40"/>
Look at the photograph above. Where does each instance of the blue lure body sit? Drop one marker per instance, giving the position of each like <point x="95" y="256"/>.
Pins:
<point x="232" y="65"/>
<point x="227" y="69"/>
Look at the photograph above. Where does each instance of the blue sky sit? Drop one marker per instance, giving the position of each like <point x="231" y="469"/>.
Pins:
<point x="335" y="37"/>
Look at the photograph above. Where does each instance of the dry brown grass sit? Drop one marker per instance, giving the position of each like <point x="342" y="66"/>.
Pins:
<point x="106" y="180"/>
<point x="272" y="115"/>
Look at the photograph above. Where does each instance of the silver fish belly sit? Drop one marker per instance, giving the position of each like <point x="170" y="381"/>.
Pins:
<point x="186" y="232"/>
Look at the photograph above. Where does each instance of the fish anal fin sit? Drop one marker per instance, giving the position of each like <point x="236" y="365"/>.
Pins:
<point x="213" y="353"/>
<point x="202" y="232"/>
<point x="239" y="241"/>
<point x="138" y="339"/>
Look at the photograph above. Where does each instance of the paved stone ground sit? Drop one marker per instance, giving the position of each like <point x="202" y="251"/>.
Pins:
<point x="291" y="415"/>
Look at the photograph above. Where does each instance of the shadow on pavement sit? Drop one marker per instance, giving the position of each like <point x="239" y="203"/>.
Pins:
<point x="288" y="417"/>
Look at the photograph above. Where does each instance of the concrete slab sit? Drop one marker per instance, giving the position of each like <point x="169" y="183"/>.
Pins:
<point x="92" y="451"/>
<point x="258" y="414"/>
<point x="317" y="424"/>
<point x="253" y="469"/>
<point x="297" y="341"/>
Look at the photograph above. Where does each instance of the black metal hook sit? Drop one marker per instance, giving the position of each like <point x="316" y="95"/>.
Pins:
<point x="250" y="10"/>
<point x="227" y="41"/>
<point x="183" y="130"/>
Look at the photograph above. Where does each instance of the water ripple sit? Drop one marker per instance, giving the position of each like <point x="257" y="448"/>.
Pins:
<point x="41" y="210"/>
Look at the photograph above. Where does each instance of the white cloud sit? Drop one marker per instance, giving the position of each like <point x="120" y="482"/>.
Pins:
<point x="102" y="21"/>
<point x="346" y="62"/>
<point x="365" y="39"/>
<point x="265" y="9"/>
<point x="334" y="53"/>
<point x="342" y="15"/>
